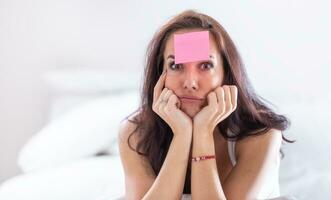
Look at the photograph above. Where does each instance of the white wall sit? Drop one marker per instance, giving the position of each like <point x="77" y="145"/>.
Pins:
<point x="285" y="45"/>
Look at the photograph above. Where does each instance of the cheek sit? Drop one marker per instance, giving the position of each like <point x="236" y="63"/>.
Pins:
<point x="211" y="81"/>
<point x="215" y="81"/>
<point x="170" y="83"/>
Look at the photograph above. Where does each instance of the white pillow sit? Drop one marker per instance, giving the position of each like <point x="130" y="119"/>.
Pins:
<point x="84" y="131"/>
<point x="92" y="80"/>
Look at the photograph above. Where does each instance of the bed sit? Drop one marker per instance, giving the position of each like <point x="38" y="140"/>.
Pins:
<point x="75" y="155"/>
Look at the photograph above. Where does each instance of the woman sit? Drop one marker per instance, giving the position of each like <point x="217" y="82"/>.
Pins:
<point x="201" y="130"/>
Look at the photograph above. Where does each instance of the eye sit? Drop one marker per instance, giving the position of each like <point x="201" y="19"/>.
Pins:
<point x="207" y="65"/>
<point x="174" y="66"/>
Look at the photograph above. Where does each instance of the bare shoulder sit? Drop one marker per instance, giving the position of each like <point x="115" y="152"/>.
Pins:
<point x="139" y="175"/>
<point x="257" y="162"/>
<point x="126" y="128"/>
<point x="128" y="138"/>
<point x="270" y="140"/>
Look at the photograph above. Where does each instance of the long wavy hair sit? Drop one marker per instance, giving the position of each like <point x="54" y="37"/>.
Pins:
<point x="252" y="116"/>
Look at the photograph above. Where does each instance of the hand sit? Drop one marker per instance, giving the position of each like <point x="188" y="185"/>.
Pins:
<point x="221" y="103"/>
<point x="166" y="104"/>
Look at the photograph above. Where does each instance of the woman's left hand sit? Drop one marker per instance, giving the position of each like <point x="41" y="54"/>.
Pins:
<point x="221" y="103"/>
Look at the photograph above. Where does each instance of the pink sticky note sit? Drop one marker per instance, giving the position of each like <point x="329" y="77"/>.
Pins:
<point x="192" y="46"/>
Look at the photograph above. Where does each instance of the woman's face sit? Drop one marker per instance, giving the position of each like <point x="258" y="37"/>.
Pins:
<point x="194" y="78"/>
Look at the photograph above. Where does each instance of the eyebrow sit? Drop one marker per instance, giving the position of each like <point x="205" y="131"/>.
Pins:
<point x="173" y="57"/>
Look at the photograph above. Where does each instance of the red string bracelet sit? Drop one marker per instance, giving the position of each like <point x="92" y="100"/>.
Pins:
<point x="196" y="159"/>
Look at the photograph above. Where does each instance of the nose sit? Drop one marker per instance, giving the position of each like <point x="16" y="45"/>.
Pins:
<point x="190" y="78"/>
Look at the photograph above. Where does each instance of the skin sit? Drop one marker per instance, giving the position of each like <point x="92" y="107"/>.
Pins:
<point x="194" y="74"/>
<point x="196" y="120"/>
<point x="193" y="125"/>
<point x="202" y="79"/>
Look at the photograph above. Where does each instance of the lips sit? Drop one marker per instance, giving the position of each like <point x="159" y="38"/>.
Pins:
<point x="190" y="99"/>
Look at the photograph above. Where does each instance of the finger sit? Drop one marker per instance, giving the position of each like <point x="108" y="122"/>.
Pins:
<point x="173" y="101"/>
<point x="212" y="100"/>
<point x="158" y="102"/>
<point x="167" y="95"/>
<point x="159" y="86"/>
<point x="221" y="99"/>
<point x="227" y="92"/>
<point x="164" y="98"/>
<point x="234" y="96"/>
<point x="162" y="102"/>
<point x="220" y="118"/>
<point x="220" y="94"/>
<point x="162" y="95"/>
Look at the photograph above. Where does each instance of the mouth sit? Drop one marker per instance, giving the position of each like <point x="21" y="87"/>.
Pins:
<point x="190" y="100"/>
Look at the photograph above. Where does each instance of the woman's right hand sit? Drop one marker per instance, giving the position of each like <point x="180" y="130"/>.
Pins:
<point x="166" y="104"/>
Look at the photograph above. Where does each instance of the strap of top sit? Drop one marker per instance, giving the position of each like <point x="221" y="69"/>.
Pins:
<point x="231" y="149"/>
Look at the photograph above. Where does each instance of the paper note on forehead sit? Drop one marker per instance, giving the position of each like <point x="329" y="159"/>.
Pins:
<point x="191" y="47"/>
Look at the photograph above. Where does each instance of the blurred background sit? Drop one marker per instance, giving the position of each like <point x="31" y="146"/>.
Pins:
<point x="70" y="70"/>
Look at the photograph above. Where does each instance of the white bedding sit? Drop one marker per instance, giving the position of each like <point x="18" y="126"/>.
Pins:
<point x="102" y="178"/>
<point x="86" y="179"/>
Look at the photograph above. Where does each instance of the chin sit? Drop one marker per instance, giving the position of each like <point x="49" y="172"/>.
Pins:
<point x="191" y="111"/>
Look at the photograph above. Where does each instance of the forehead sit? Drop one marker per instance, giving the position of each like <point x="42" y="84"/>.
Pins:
<point x="169" y="47"/>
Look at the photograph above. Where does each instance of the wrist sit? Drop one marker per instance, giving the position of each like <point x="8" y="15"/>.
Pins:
<point x="186" y="130"/>
<point x="202" y="133"/>
<point x="203" y="146"/>
<point x="203" y="139"/>
<point x="182" y="134"/>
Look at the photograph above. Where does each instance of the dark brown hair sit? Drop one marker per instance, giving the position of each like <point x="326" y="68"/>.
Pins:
<point x="252" y="116"/>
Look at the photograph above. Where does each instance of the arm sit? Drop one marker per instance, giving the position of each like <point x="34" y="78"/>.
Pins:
<point x="258" y="156"/>
<point x="170" y="182"/>
<point x="140" y="181"/>
<point x="205" y="183"/>
<point x="204" y="175"/>
<point x="246" y="178"/>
